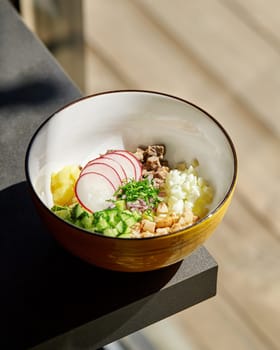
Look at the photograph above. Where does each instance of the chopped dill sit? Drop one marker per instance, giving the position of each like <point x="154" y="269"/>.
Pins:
<point x="139" y="190"/>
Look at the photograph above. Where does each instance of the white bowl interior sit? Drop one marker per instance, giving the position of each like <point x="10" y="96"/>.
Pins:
<point x="125" y="120"/>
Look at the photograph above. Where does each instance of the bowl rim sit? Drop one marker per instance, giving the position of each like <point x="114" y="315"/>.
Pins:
<point x="140" y="91"/>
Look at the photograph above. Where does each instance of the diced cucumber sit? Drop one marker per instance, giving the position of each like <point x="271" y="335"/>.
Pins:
<point x="112" y="232"/>
<point x="148" y="215"/>
<point x="127" y="230"/>
<point x="125" y="235"/>
<point x="100" y="214"/>
<point x="102" y="224"/>
<point x="114" y="222"/>
<point x="113" y="216"/>
<point x="125" y="215"/>
<point x="120" y="204"/>
<point x="129" y="219"/>
<point x="77" y="212"/>
<point x="56" y="208"/>
<point x="64" y="214"/>
<point x="128" y="212"/>
<point x="137" y="216"/>
<point x="86" y="221"/>
<point x="121" y="227"/>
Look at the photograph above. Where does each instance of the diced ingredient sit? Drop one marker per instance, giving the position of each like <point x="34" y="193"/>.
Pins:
<point x="185" y="189"/>
<point x="154" y="165"/>
<point x="63" y="184"/>
<point x="139" y="195"/>
<point x="131" y="195"/>
<point x="112" y="222"/>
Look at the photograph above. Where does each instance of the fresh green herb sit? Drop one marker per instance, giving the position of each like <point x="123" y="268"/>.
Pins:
<point x="133" y="191"/>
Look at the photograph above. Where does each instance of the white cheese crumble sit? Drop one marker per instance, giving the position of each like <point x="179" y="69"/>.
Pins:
<point x="185" y="189"/>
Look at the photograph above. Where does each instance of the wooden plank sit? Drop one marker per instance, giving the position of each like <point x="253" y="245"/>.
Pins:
<point x="216" y="325"/>
<point x="261" y="16"/>
<point x="171" y="333"/>
<point x="145" y="41"/>
<point x="259" y="169"/>
<point x="249" y="268"/>
<point x="28" y="15"/>
<point x="98" y="76"/>
<point x="238" y="57"/>
<point x="140" y="52"/>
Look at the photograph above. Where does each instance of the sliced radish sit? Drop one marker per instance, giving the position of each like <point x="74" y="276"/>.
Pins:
<point x="114" y="164"/>
<point x="135" y="160"/>
<point x="125" y="162"/>
<point x="93" y="190"/>
<point x="107" y="170"/>
<point x="90" y="161"/>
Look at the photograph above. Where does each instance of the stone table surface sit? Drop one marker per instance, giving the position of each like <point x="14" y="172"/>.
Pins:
<point x="49" y="298"/>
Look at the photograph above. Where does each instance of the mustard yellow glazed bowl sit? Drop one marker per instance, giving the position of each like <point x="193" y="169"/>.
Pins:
<point x="124" y="120"/>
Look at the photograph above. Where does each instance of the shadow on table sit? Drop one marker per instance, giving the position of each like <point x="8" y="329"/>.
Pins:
<point x="44" y="289"/>
<point x="30" y="92"/>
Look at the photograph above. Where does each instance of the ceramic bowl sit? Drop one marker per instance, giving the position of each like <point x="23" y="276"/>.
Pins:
<point x="124" y="120"/>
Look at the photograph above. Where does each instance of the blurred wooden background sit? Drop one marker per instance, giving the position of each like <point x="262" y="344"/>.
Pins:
<point x="223" y="55"/>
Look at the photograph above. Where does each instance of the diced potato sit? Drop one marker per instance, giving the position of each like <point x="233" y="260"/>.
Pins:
<point x="63" y="184"/>
<point x="162" y="208"/>
<point x="148" y="225"/>
<point x="163" y="221"/>
<point x="162" y="231"/>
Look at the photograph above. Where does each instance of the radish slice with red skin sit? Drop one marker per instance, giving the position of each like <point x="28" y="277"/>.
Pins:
<point x="113" y="163"/>
<point x="107" y="170"/>
<point x="116" y="165"/>
<point x="93" y="161"/>
<point x="110" y="161"/>
<point x="135" y="160"/>
<point x="125" y="162"/>
<point x="88" y="164"/>
<point x="93" y="190"/>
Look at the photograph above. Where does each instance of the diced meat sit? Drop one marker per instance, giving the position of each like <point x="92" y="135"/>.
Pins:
<point x="152" y="163"/>
<point x="155" y="150"/>
<point x="161" y="172"/>
<point x="139" y="154"/>
<point x="143" y="153"/>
